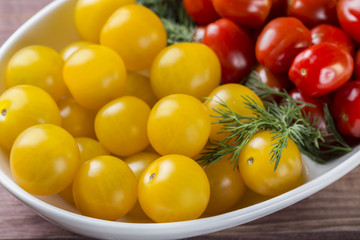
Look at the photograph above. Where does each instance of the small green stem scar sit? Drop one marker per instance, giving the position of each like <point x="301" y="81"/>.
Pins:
<point x="3" y="112"/>
<point x="152" y="177"/>
<point x="250" y="161"/>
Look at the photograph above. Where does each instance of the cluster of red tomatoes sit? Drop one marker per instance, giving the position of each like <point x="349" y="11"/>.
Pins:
<point x="312" y="43"/>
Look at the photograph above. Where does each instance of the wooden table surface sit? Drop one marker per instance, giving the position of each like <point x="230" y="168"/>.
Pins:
<point x="333" y="213"/>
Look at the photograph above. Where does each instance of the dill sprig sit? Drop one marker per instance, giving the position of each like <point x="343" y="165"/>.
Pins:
<point x="286" y="120"/>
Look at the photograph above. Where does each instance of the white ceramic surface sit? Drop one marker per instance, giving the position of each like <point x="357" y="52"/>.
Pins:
<point x="54" y="27"/>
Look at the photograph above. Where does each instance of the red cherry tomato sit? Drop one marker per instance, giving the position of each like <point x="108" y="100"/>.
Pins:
<point x="345" y="108"/>
<point x="348" y="12"/>
<point x="279" y="43"/>
<point x="201" y="11"/>
<point x="357" y="64"/>
<point x="233" y="47"/>
<point x="331" y="34"/>
<point x="248" y="13"/>
<point x="278" y="82"/>
<point x="321" y="69"/>
<point x="313" y="12"/>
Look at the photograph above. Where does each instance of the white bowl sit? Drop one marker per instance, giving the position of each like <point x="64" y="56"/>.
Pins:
<point x="54" y="27"/>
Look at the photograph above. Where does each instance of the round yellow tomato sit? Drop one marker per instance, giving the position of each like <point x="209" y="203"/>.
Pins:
<point x="91" y="15"/>
<point x="76" y="119"/>
<point x="37" y="65"/>
<point x="226" y="186"/>
<point x="139" y="86"/>
<point x="44" y="159"/>
<point x="71" y="48"/>
<point x="190" y="68"/>
<point x="105" y="188"/>
<point x="136" y="33"/>
<point x="233" y="95"/>
<point x="178" y="124"/>
<point x="89" y="148"/>
<point x="24" y="106"/>
<point x="173" y="188"/>
<point x="121" y="125"/>
<point x="257" y="171"/>
<point x="95" y="75"/>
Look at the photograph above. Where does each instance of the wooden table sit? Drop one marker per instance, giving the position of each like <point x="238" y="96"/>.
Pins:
<point x="333" y="213"/>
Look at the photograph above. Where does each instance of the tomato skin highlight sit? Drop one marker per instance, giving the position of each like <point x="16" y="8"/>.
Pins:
<point x="348" y="12"/>
<point x="279" y="43"/>
<point x="233" y="47"/>
<point x="201" y="11"/>
<point x="321" y="69"/>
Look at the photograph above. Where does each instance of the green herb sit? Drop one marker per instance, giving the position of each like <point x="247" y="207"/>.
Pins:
<point x="286" y="120"/>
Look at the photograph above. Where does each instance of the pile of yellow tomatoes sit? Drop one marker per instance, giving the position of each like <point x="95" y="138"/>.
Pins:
<point x="92" y="124"/>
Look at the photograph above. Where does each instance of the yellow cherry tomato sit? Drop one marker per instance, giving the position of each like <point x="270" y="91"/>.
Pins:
<point x="105" y="188"/>
<point x="178" y="124"/>
<point x="173" y="188"/>
<point x="121" y="125"/>
<point x="91" y="15"/>
<point x="136" y="33"/>
<point x="37" y="65"/>
<point x="95" y="75"/>
<point x="44" y="159"/>
<point x="138" y="85"/>
<point x="24" y="106"/>
<point x="233" y="95"/>
<point x="76" y="119"/>
<point x="89" y="148"/>
<point x="257" y="171"/>
<point x="71" y="48"/>
<point x="226" y="186"/>
<point x="190" y="68"/>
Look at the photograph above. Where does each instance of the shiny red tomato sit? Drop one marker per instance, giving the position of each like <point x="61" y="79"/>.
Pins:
<point x="201" y="11"/>
<point x="321" y="69"/>
<point x="348" y="12"/>
<point x="357" y="64"/>
<point x="345" y="108"/>
<point x="233" y="47"/>
<point x="278" y="82"/>
<point x="279" y="43"/>
<point x="249" y="13"/>
<point x="332" y="34"/>
<point x="313" y="12"/>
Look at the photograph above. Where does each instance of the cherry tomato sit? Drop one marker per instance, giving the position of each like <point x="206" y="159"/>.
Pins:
<point x="345" y="108"/>
<point x="136" y="34"/>
<point x="233" y="95"/>
<point x="91" y="15"/>
<point x="233" y="47"/>
<point x="278" y="82"/>
<point x="279" y="43"/>
<point x="121" y="125"/>
<point x="173" y="188"/>
<point x="105" y="188"/>
<point x="321" y="69"/>
<point x="190" y="68"/>
<point x="248" y="13"/>
<point x="95" y="75"/>
<point x="76" y="119"/>
<point x="226" y="186"/>
<point x="357" y="65"/>
<point x="313" y="13"/>
<point x="334" y="35"/>
<point x="39" y="66"/>
<point x="89" y="148"/>
<point x="67" y="51"/>
<point x="24" y="106"/>
<point x="44" y="159"/>
<point x="178" y="124"/>
<point x="348" y="12"/>
<point x="201" y="11"/>
<point x="257" y="172"/>
<point x="138" y="85"/>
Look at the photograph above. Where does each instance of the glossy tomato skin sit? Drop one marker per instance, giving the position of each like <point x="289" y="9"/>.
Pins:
<point x="332" y="34"/>
<point x="345" y="108"/>
<point x="278" y="82"/>
<point x="312" y="13"/>
<point x="321" y="69"/>
<point x="279" y="43"/>
<point x="248" y="13"/>
<point x="201" y="11"/>
<point x="357" y="65"/>
<point x="348" y="12"/>
<point x="233" y="47"/>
